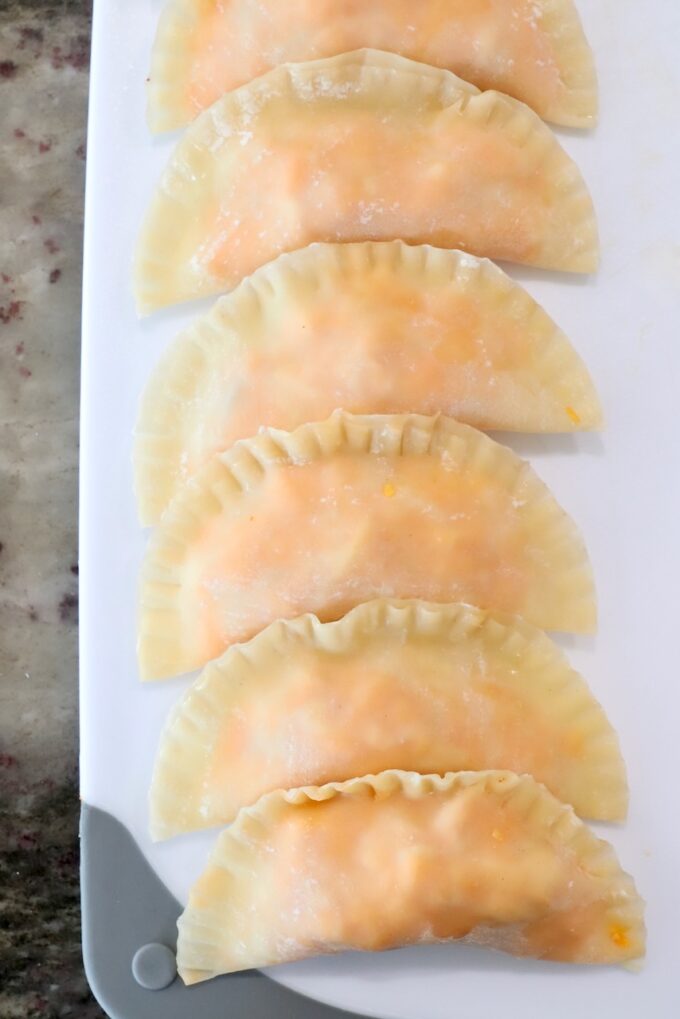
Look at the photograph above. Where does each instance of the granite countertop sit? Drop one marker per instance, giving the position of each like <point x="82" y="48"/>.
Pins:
<point x="44" y="49"/>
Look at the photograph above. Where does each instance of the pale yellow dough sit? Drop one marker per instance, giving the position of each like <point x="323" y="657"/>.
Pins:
<point x="364" y="146"/>
<point x="535" y="50"/>
<point x="400" y="859"/>
<point x="352" y="508"/>
<point x="411" y="685"/>
<point x="372" y="328"/>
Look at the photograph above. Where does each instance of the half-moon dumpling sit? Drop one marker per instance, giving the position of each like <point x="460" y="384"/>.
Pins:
<point x="534" y="50"/>
<point x="364" y="146"/>
<point x="352" y="508"/>
<point x="372" y="328"/>
<point x="410" y="685"/>
<point x="399" y="859"/>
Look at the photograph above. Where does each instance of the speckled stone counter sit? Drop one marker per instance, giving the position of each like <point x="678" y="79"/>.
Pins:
<point x="43" y="103"/>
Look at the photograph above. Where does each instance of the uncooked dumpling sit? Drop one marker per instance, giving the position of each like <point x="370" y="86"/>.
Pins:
<point x="349" y="509"/>
<point x="534" y="50"/>
<point x="364" y="146"/>
<point x="401" y="859"/>
<point x="371" y="328"/>
<point x="412" y="685"/>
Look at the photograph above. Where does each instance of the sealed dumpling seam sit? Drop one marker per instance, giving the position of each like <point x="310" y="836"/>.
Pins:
<point x="394" y="684"/>
<point x="338" y="512"/>
<point x="534" y="50"/>
<point x="369" y="327"/>
<point x="397" y="859"/>
<point x="364" y="146"/>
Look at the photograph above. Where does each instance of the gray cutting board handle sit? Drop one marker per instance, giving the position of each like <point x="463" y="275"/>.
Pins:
<point x="125" y="907"/>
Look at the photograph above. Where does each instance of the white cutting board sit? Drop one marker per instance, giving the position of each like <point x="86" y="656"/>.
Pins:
<point x="623" y="489"/>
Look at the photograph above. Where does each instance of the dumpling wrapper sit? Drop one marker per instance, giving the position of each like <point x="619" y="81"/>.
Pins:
<point x="373" y="328"/>
<point x="409" y="685"/>
<point x="535" y="50"/>
<point x="338" y="512"/>
<point x="400" y="859"/>
<point x="364" y="146"/>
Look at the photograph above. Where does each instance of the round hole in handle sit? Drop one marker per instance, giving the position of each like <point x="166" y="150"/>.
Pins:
<point x="154" y="967"/>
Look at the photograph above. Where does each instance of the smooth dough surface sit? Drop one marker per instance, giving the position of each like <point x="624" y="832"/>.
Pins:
<point x="372" y="328"/>
<point x="352" y="508"/>
<point x="394" y="684"/>
<point x="534" y="50"/>
<point x="363" y="146"/>
<point x="400" y="859"/>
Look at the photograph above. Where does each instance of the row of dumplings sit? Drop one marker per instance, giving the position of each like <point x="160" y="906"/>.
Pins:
<point x="365" y="589"/>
